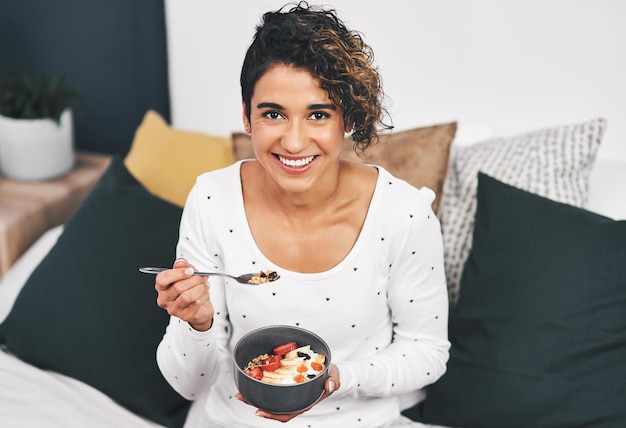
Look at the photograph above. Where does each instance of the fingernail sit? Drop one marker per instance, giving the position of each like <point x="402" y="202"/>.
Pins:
<point x="258" y="414"/>
<point x="331" y="386"/>
<point x="189" y="271"/>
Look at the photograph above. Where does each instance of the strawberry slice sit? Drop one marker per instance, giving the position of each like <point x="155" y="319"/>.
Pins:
<point x="256" y="373"/>
<point x="287" y="347"/>
<point x="271" y="363"/>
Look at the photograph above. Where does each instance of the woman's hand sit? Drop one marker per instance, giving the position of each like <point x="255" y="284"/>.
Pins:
<point x="184" y="295"/>
<point x="332" y="384"/>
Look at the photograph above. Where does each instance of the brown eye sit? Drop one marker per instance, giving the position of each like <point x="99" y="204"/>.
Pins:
<point x="319" y="115"/>
<point x="272" y="115"/>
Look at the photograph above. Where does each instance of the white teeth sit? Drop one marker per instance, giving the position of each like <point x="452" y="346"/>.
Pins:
<point x="296" y="163"/>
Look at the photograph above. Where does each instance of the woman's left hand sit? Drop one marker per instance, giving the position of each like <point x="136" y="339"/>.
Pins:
<point x="332" y="384"/>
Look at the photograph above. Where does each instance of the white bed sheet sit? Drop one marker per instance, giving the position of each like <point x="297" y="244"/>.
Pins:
<point x="30" y="397"/>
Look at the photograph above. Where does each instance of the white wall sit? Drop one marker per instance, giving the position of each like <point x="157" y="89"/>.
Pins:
<point x="497" y="67"/>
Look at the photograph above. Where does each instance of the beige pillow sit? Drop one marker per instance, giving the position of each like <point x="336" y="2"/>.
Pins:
<point x="166" y="161"/>
<point x="242" y="147"/>
<point x="419" y="156"/>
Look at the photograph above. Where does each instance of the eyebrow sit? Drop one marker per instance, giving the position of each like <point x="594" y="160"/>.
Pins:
<point x="311" y="107"/>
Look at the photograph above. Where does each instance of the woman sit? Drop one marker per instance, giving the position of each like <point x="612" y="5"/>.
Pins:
<point x="359" y="252"/>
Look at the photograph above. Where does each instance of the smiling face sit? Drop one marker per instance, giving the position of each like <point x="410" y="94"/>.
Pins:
<point x="297" y="131"/>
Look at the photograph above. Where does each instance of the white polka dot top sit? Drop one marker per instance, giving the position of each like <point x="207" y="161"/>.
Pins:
<point x="383" y="309"/>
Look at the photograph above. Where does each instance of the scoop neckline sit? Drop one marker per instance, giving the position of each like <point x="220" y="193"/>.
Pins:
<point x="365" y="230"/>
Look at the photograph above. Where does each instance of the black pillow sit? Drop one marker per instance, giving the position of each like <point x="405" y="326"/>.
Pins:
<point x="539" y="334"/>
<point x="87" y="312"/>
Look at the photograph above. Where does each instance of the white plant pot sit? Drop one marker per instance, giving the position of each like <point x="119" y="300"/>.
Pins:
<point x="36" y="149"/>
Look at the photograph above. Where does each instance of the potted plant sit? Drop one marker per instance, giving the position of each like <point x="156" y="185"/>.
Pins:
<point x="36" y="125"/>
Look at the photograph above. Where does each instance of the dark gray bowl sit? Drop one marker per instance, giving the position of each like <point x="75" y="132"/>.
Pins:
<point x="271" y="397"/>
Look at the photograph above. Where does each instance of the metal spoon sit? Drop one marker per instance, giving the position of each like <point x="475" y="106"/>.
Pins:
<point x="248" y="278"/>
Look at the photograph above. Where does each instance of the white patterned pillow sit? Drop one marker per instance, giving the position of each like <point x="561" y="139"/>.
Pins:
<point x="554" y="163"/>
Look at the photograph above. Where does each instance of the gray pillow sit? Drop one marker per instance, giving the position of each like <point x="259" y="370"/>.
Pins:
<point x="554" y="162"/>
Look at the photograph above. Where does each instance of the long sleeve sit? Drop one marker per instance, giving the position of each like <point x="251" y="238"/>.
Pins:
<point x="417" y="299"/>
<point x="191" y="361"/>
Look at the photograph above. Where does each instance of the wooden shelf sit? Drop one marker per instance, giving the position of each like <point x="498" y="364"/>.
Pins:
<point x="28" y="209"/>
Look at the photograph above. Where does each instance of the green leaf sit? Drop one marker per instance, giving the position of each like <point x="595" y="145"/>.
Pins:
<point x="24" y="94"/>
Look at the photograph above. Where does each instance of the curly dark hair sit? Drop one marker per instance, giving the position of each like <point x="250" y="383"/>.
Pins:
<point x="316" y="40"/>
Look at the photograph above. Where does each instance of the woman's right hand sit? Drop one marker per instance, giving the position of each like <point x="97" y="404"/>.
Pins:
<point x="185" y="295"/>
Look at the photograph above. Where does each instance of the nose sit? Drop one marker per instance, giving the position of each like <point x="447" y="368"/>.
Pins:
<point x="294" y="140"/>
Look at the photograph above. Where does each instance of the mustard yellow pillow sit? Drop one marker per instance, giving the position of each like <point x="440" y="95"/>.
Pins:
<point x="166" y="161"/>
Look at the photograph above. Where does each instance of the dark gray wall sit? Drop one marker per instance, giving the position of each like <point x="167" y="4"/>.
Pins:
<point x="113" y="52"/>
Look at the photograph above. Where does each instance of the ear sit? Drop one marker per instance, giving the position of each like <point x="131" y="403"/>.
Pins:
<point x="244" y="116"/>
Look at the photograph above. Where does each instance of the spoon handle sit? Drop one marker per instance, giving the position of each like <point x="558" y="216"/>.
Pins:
<point x="156" y="270"/>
